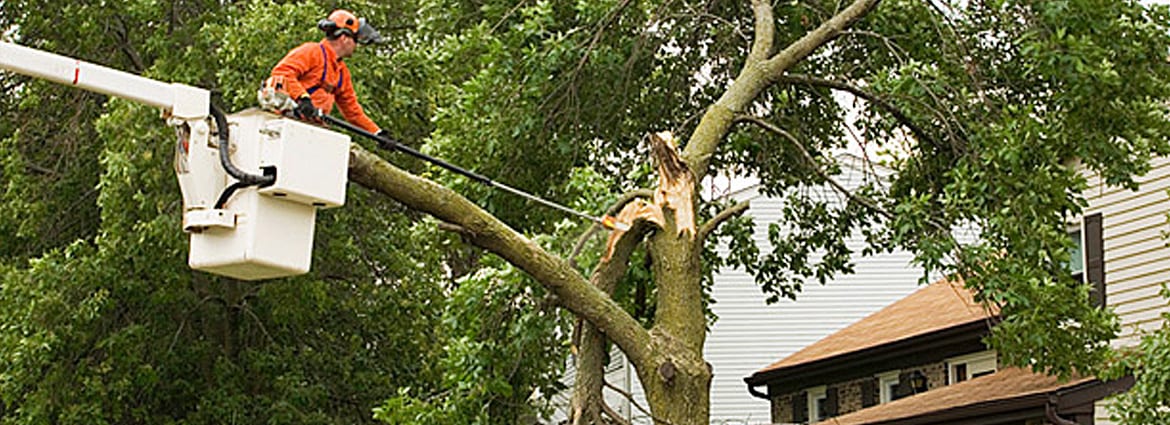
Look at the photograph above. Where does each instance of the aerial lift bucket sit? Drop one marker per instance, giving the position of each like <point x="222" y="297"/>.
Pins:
<point x="249" y="204"/>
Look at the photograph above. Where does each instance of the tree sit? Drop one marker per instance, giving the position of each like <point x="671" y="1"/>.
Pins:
<point x="985" y="105"/>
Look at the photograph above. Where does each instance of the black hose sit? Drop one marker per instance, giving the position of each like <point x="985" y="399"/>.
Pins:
<point x="243" y="179"/>
<point x="227" y="193"/>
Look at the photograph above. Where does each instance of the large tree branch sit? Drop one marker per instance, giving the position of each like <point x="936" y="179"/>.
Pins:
<point x="489" y="233"/>
<point x="765" y="31"/>
<point x="902" y="118"/>
<point x="823" y="34"/>
<point x="755" y="77"/>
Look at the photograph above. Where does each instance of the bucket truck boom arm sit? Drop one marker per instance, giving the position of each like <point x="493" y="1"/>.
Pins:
<point x="179" y="100"/>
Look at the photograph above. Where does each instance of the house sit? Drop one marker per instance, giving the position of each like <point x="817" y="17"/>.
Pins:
<point x="1128" y="228"/>
<point x="750" y="332"/>
<point x="920" y="360"/>
<point x="1123" y="254"/>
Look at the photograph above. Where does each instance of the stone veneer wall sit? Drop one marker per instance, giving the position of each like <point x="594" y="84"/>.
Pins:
<point x="782" y="408"/>
<point x="849" y="392"/>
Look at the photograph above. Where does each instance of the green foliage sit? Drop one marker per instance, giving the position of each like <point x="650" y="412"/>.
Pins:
<point x="1045" y="83"/>
<point x="1146" y="402"/>
<point x="503" y="343"/>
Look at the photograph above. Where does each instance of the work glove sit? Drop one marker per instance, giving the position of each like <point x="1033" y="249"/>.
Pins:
<point x="305" y="109"/>
<point x="386" y="140"/>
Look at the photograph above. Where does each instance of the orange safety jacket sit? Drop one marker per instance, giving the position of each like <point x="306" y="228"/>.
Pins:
<point x="314" y="68"/>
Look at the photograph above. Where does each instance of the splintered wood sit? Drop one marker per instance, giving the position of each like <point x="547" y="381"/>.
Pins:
<point x="676" y="185"/>
<point x="675" y="193"/>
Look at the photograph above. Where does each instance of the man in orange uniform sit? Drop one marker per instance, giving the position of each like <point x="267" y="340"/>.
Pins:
<point x="315" y="75"/>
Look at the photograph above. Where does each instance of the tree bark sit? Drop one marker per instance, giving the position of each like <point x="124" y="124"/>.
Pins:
<point x="590" y="379"/>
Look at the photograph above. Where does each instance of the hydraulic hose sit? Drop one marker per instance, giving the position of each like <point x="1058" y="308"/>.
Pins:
<point x="243" y="179"/>
<point x="228" y="192"/>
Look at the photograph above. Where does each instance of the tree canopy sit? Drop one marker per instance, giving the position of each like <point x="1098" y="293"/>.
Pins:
<point x="982" y="110"/>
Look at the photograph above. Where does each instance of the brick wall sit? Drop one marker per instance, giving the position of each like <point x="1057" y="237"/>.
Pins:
<point x="849" y="396"/>
<point x="936" y="375"/>
<point x="849" y="392"/>
<point x="782" y="408"/>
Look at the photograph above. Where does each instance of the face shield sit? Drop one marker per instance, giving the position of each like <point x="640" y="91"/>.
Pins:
<point x="366" y="33"/>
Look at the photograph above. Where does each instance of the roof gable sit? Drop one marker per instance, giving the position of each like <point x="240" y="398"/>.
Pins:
<point x="935" y="307"/>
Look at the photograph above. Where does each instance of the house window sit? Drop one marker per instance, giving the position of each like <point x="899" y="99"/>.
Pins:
<point x="970" y="366"/>
<point x="1087" y="259"/>
<point x="887" y="385"/>
<point x="1076" y="263"/>
<point x="818" y="404"/>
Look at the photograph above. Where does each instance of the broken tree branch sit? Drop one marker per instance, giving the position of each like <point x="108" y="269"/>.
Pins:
<point x="676" y="183"/>
<point x="591" y="342"/>
<point x="613" y="209"/>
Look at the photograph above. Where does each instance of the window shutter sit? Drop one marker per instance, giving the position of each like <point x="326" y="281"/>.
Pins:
<point x="869" y="393"/>
<point x="831" y="403"/>
<point x="800" y="407"/>
<point x="903" y="388"/>
<point x="1095" y="259"/>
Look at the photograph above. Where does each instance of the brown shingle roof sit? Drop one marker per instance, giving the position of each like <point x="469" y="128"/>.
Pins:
<point x="935" y="307"/>
<point x="1007" y="384"/>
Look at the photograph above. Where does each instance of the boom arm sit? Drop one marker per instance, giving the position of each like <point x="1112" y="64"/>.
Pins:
<point x="181" y="101"/>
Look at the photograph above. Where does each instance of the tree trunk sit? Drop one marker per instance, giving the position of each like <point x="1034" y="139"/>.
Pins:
<point x="590" y="379"/>
<point x="677" y="380"/>
<point x="677" y="388"/>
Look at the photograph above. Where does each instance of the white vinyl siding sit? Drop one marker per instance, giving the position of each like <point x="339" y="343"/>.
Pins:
<point x="750" y="334"/>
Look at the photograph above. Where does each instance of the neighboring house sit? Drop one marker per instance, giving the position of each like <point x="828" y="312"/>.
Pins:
<point x="873" y="371"/>
<point x="1130" y="229"/>
<point x="920" y="360"/>
<point x="749" y="332"/>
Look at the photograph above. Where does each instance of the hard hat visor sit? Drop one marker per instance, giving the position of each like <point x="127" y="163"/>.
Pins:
<point x="366" y="34"/>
